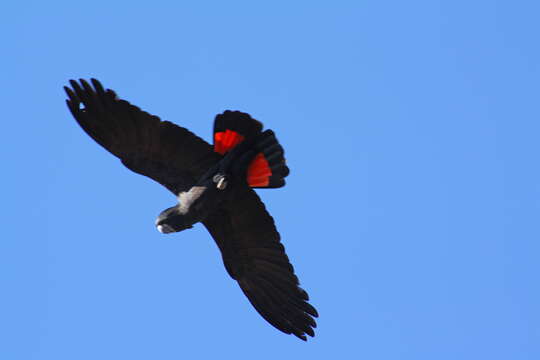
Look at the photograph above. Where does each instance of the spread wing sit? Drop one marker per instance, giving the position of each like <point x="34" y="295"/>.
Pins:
<point x="254" y="256"/>
<point x="161" y="150"/>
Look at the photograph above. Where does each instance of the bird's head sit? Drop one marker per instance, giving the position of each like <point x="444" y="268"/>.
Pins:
<point x="171" y="220"/>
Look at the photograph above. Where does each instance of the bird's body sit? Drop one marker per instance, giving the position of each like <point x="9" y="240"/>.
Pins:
<point x="213" y="186"/>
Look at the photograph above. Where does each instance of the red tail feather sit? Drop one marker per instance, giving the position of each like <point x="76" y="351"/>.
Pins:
<point x="268" y="168"/>
<point x="258" y="174"/>
<point x="226" y="140"/>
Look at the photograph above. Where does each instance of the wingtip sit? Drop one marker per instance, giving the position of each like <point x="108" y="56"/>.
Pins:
<point x="96" y="83"/>
<point x="301" y="337"/>
<point x="73" y="100"/>
<point x="83" y="81"/>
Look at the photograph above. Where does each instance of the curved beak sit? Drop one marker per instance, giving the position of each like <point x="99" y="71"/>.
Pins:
<point x="165" y="229"/>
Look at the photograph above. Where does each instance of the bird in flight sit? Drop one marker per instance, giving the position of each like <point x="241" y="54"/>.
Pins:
<point x="214" y="185"/>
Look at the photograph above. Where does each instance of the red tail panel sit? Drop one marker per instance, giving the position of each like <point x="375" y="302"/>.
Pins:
<point x="258" y="174"/>
<point x="226" y="140"/>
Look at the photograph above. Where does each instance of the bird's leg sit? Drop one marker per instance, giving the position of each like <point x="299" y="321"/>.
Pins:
<point x="220" y="180"/>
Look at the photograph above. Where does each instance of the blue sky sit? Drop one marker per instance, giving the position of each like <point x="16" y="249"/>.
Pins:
<point x="410" y="215"/>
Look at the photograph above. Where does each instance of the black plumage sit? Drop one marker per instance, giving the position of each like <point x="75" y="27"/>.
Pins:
<point x="232" y="212"/>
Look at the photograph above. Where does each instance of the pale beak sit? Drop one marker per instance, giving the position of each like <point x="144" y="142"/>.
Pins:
<point x="165" y="229"/>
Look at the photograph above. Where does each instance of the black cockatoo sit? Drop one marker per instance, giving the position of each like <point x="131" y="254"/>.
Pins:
<point x="214" y="185"/>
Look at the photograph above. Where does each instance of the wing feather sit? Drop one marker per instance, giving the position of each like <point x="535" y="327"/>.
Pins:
<point x="254" y="256"/>
<point x="161" y="150"/>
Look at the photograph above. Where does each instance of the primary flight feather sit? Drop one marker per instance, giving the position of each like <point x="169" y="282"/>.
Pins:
<point x="214" y="185"/>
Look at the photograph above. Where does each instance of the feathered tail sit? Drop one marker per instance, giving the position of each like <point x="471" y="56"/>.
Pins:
<point x="267" y="167"/>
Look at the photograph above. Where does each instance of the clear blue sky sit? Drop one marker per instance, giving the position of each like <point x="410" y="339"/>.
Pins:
<point x="411" y="213"/>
